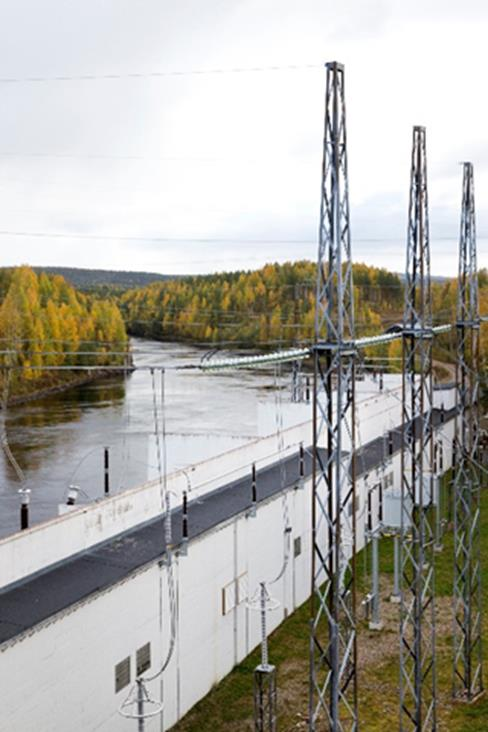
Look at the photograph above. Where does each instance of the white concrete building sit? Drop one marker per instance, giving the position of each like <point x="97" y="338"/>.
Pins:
<point x="85" y="598"/>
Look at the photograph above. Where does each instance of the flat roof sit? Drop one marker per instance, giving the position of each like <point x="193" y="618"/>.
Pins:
<point x="38" y="597"/>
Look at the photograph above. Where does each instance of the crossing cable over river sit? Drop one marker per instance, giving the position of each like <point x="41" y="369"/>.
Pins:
<point x="213" y="364"/>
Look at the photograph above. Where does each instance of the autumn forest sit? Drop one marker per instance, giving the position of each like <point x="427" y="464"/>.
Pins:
<point x="46" y="322"/>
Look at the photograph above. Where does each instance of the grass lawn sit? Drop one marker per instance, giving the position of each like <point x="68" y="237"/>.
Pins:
<point x="229" y="706"/>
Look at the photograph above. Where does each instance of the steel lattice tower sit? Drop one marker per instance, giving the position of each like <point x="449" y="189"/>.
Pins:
<point x="468" y="681"/>
<point x="333" y="685"/>
<point x="417" y="626"/>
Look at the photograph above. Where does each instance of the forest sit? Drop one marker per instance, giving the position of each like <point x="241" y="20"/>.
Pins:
<point x="271" y="305"/>
<point x="45" y="322"/>
<point x="274" y="306"/>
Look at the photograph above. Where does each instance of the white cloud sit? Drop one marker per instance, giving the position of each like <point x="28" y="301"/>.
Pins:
<point x="231" y="155"/>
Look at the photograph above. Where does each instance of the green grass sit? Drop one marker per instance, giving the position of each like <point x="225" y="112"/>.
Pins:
<point x="229" y="706"/>
<point x="231" y="701"/>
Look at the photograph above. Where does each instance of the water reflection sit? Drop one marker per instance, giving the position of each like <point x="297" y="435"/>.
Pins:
<point x="58" y="440"/>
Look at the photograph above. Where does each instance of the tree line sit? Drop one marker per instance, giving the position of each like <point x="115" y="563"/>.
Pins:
<point x="275" y="305"/>
<point x="262" y="307"/>
<point x="45" y="322"/>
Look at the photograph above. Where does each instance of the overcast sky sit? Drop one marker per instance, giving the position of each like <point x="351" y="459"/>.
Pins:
<point x="199" y="172"/>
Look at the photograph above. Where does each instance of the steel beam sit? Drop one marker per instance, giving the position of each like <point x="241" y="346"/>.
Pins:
<point x="333" y="678"/>
<point x="467" y="675"/>
<point x="417" y="618"/>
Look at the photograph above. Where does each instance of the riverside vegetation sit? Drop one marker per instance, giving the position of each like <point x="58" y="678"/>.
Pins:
<point x="45" y="322"/>
<point x="275" y="306"/>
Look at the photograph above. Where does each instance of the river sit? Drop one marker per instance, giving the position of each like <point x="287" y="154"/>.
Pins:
<point x="59" y="440"/>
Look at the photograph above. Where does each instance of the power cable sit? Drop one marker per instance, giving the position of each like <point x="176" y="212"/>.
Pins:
<point x="155" y="239"/>
<point x="165" y="506"/>
<point x="284" y="500"/>
<point x="159" y="74"/>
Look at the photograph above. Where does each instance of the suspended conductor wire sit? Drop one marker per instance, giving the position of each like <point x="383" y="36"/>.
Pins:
<point x="143" y="698"/>
<point x="125" y="444"/>
<point x="163" y="425"/>
<point x="157" y="438"/>
<point x="281" y="450"/>
<point x="221" y="71"/>
<point x="79" y="464"/>
<point x="166" y="508"/>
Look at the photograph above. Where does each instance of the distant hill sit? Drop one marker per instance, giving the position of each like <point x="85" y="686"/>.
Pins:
<point x="94" y="279"/>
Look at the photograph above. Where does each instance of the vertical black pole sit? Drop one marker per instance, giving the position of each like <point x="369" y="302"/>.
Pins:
<point x="106" y="474"/>
<point x="72" y="495"/>
<point x="302" y="461"/>
<point x="185" y="516"/>
<point x="254" y="493"/>
<point x="451" y="482"/>
<point x="24" y="508"/>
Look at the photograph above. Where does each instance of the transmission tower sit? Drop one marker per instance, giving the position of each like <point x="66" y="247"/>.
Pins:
<point x="417" y="626"/>
<point x="333" y="684"/>
<point x="467" y="680"/>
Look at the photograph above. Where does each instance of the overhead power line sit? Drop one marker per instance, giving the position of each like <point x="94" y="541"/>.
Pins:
<point x="100" y="156"/>
<point x="162" y="239"/>
<point x="159" y="74"/>
<point x="175" y="239"/>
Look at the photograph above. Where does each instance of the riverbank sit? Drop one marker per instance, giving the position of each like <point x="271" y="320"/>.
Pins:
<point x="65" y="385"/>
<point x="59" y="439"/>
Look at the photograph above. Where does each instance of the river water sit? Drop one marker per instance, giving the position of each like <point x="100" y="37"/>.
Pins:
<point x="59" y="440"/>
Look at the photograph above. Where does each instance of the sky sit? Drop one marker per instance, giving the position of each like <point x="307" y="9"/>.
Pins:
<point x="186" y="136"/>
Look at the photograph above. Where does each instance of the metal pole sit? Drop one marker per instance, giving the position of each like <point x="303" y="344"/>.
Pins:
<point x="264" y="637"/>
<point x="417" y="611"/>
<point x="265" y="695"/>
<point x="295" y="377"/>
<point x="438" y="512"/>
<point x="106" y="473"/>
<point x="375" y="622"/>
<point x="185" y="516"/>
<point x="24" y="508"/>
<point x="183" y="549"/>
<point x="301" y="467"/>
<point x="333" y="665"/>
<point x="254" y="492"/>
<point x="467" y="668"/>
<point x="140" y="706"/>
<point x="395" y="596"/>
